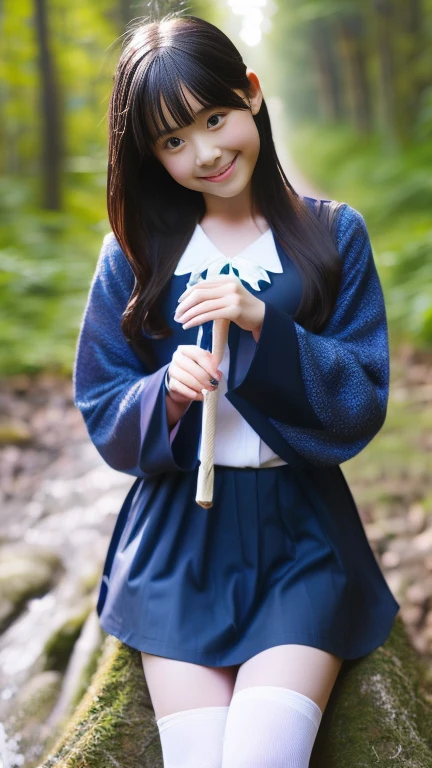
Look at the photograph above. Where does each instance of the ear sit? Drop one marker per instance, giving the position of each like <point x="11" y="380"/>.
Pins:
<point x="255" y="92"/>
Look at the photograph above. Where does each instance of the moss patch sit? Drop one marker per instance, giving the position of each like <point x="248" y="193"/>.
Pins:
<point x="60" y="645"/>
<point x="114" y="723"/>
<point x="377" y="712"/>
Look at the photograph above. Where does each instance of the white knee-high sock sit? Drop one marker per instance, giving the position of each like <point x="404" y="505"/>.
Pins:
<point x="270" y="727"/>
<point x="193" y="738"/>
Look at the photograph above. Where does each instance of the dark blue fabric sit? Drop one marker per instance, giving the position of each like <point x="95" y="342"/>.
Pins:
<point x="281" y="557"/>
<point x="325" y="412"/>
<point x="121" y="401"/>
<point x="345" y="369"/>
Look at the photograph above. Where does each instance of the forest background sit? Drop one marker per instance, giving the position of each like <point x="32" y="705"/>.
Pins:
<point x="348" y="84"/>
<point x="355" y="80"/>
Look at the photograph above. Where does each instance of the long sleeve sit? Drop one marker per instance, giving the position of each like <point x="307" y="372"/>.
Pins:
<point x="123" y="404"/>
<point x="326" y="393"/>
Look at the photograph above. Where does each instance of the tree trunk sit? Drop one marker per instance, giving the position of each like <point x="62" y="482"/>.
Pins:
<point x="328" y="90"/>
<point x="51" y="143"/>
<point x="127" y="13"/>
<point x="351" y="32"/>
<point x="376" y="713"/>
<point x="384" y="26"/>
<point x="412" y="30"/>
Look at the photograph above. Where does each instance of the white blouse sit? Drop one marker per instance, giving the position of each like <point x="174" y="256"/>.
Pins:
<point x="236" y="443"/>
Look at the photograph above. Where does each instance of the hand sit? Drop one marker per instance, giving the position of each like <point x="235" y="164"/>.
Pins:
<point x="190" y="371"/>
<point x="224" y="296"/>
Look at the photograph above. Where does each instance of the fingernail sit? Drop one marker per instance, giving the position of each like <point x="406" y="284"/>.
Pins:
<point x="214" y="382"/>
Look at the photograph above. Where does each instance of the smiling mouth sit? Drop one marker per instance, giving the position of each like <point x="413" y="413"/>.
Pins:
<point x="215" y="175"/>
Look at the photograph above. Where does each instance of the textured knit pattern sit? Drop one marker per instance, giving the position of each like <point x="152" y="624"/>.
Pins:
<point x="270" y="726"/>
<point x="345" y="368"/>
<point x="108" y="376"/>
<point x="193" y="737"/>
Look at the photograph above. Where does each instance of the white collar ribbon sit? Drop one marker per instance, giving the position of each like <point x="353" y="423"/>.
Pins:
<point x="262" y="257"/>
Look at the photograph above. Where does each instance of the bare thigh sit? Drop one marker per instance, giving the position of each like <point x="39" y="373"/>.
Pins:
<point x="175" y="686"/>
<point x="304" y="669"/>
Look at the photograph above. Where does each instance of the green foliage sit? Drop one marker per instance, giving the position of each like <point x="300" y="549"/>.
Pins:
<point x="18" y="88"/>
<point x="47" y="260"/>
<point x="393" y="191"/>
<point x="367" y="64"/>
<point x="60" y="645"/>
<point x="114" y="722"/>
<point x="391" y="714"/>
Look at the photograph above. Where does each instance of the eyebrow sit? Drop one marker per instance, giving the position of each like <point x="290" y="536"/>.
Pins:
<point x="166" y="132"/>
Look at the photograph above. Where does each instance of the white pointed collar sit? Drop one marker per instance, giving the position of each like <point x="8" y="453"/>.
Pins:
<point x="200" y="251"/>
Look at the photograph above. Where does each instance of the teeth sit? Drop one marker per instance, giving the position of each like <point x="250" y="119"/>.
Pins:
<point x="221" y="172"/>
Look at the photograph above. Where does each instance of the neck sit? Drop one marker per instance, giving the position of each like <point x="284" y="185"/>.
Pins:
<point x="230" y="210"/>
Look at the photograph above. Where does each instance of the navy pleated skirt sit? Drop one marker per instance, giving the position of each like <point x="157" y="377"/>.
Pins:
<point x="281" y="557"/>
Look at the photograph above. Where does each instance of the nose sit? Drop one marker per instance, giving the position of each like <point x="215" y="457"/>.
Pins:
<point x="206" y="155"/>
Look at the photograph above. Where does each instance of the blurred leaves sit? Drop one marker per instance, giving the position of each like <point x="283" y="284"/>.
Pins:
<point x="47" y="259"/>
<point x="395" y="196"/>
<point x="356" y="82"/>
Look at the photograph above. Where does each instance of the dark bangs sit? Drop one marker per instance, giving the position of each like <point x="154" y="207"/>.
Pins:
<point x="167" y="76"/>
<point x="152" y="216"/>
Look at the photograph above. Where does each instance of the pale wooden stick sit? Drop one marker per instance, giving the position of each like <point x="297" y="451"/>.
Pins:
<point x="205" y="483"/>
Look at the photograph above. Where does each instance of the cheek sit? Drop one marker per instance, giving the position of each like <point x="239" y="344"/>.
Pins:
<point x="175" y="167"/>
<point x="246" y="138"/>
<point x="171" y="166"/>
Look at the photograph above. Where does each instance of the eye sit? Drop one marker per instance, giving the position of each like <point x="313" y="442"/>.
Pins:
<point x="218" y="114"/>
<point x="173" y="138"/>
<point x="176" y="138"/>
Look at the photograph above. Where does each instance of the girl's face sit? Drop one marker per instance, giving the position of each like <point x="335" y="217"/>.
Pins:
<point x="216" y="138"/>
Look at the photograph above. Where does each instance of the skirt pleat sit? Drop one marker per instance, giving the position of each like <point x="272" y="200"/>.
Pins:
<point x="281" y="557"/>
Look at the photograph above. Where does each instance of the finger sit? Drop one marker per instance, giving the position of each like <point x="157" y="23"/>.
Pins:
<point x="227" y="313"/>
<point x="203" y="357"/>
<point x="215" y="280"/>
<point x="191" y="375"/>
<point x="219" y="283"/>
<point x="199" y="296"/>
<point x="210" y="305"/>
<point x="222" y="278"/>
<point x="181" y="389"/>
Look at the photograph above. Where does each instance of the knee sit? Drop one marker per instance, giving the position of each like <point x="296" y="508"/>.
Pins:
<point x="193" y="738"/>
<point x="270" y="727"/>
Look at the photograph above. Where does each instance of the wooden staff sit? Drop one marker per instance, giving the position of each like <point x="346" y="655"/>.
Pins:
<point x="251" y="273"/>
<point x="205" y="484"/>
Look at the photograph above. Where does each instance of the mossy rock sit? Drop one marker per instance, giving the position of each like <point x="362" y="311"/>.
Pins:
<point x="377" y="713"/>
<point x="25" y="572"/>
<point x="29" y="711"/>
<point x="59" y="646"/>
<point x="15" y="432"/>
<point x="114" y="723"/>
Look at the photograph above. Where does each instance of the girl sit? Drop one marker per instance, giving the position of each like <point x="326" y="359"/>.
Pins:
<point x="244" y="612"/>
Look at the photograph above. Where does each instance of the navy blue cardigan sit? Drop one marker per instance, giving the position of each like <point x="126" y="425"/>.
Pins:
<point x="315" y="398"/>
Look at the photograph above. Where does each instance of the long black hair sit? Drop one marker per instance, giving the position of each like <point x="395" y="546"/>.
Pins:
<point x="151" y="215"/>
